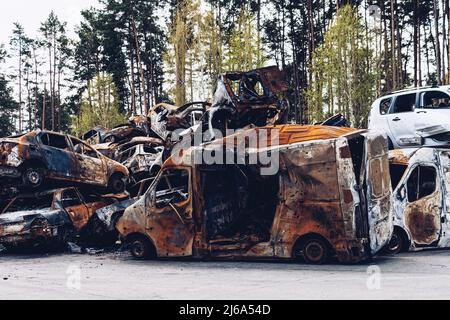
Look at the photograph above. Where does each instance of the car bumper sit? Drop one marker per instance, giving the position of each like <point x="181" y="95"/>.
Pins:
<point x="9" y="172"/>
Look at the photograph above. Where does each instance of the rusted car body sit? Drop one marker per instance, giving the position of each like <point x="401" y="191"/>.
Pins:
<point x="102" y="227"/>
<point x="138" y="126"/>
<point x="249" y="98"/>
<point x="331" y="196"/>
<point x="47" y="218"/>
<point x="140" y="155"/>
<point x="95" y="135"/>
<point x="166" y="118"/>
<point x="43" y="155"/>
<point x="421" y="198"/>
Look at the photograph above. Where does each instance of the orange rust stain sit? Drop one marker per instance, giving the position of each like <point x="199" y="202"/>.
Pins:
<point x="398" y="157"/>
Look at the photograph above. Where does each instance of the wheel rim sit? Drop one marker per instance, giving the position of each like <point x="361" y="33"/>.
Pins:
<point x="314" y="251"/>
<point x="33" y="177"/>
<point x="396" y="243"/>
<point x="118" y="185"/>
<point x="138" y="249"/>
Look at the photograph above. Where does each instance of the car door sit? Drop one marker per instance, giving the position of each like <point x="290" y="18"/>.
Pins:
<point x="91" y="166"/>
<point x="378" y="191"/>
<point x="75" y="207"/>
<point x="401" y="119"/>
<point x="420" y="200"/>
<point x="171" y="220"/>
<point x="59" y="156"/>
<point x="444" y="156"/>
<point x="434" y="110"/>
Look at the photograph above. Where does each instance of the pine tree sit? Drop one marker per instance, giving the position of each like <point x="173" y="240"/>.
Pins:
<point x="8" y="106"/>
<point x="99" y="106"/>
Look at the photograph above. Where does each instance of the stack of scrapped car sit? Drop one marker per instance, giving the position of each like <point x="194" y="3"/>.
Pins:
<point x="417" y="124"/>
<point x="51" y="219"/>
<point x="141" y="156"/>
<point x="52" y="184"/>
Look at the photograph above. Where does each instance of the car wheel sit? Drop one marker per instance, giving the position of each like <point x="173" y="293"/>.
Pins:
<point x="117" y="183"/>
<point x="33" y="177"/>
<point x="141" y="248"/>
<point x="111" y="139"/>
<point x="315" y="251"/>
<point x="396" y="244"/>
<point x="390" y="144"/>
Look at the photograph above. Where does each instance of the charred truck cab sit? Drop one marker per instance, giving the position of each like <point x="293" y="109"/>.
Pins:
<point x="330" y="197"/>
<point x="421" y="199"/>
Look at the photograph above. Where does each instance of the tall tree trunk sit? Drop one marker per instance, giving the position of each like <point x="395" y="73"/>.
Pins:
<point x="416" y="45"/>
<point x="36" y="88"/>
<point x="393" y="48"/>
<point x="44" y="106"/>
<point x="20" y="85"/>
<point x="311" y="33"/>
<point x="399" y="51"/>
<point x="139" y="62"/>
<point x="438" y="46"/>
<point x="447" y="10"/>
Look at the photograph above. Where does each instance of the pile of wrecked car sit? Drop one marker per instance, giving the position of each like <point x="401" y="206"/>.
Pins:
<point x="338" y="192"/>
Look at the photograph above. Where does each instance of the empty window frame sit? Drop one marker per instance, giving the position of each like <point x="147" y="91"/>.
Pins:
<point x="421" y="183"/>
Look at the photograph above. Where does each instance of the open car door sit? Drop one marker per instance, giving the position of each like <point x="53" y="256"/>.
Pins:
<point x="378" y="191"/>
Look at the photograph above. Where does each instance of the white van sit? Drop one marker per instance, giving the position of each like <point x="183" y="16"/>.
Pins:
<point x="421" y="199"/>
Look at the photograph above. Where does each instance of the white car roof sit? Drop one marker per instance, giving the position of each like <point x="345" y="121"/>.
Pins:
<point x="415" y="90"/>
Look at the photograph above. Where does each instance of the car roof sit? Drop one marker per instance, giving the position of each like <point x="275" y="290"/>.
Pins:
<point x="415" y="90"/>
<point x="42" y="193"/>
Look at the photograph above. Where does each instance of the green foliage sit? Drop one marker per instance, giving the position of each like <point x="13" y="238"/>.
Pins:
<point x="244" y="48"/>
<point x="7" y="103"/>
<point x="99" y="106"/>
<point x="343" y="71"/>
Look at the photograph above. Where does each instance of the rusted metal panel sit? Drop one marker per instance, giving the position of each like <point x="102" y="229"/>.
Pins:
<point x="423" y="220"/>
<point x="379" y="191"/>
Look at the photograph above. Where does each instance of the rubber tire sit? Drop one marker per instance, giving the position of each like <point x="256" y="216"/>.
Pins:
<point x="36" y="174"/>
<point x="117" y="184"/>
<point x="315" y="251"/>
<point x="390" y="144"/>
<point x="141" y="248"/>
<point x="111" y="139"/>
<point x="397" y="243"/>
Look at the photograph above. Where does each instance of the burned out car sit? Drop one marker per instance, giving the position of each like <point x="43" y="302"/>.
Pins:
<point x="166" y="118"/>
<point x="138" y="126"/>
<point x="330" y="197"/>
<point x="249" y="98"/>
<point x="47" y="218"/>
<point x="102" y="226"/>
<point x="421" y="199"/>
<point x="95" y="135"/>
<point x="43" y="155"/>
<point x="140" y="156"/>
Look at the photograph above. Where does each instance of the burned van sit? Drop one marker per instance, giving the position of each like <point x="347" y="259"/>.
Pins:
<point x="421" y="199"/>
<point x="330" y="197"/>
